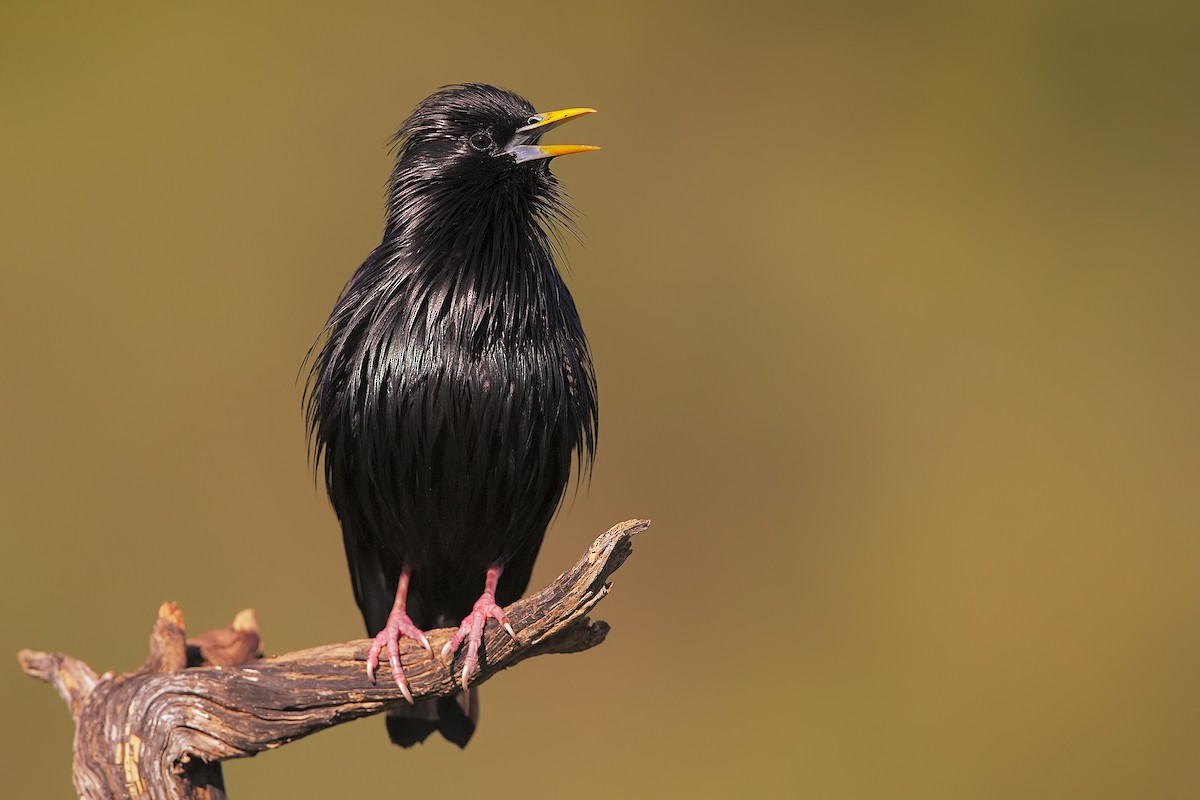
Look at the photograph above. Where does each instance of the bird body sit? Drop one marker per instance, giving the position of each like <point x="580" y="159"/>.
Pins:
<point x="454" y="386"/>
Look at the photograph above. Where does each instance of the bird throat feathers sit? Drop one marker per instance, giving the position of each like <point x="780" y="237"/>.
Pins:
<point x="466" y="211"/>
<point x="469" y="256"/>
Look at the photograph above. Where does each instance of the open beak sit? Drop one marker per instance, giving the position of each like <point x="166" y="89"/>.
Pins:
<point x="538" y="125"/>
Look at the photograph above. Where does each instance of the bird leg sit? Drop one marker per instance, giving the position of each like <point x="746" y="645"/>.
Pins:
<point x="398" y="624"/>
<point x="471" y="628"/>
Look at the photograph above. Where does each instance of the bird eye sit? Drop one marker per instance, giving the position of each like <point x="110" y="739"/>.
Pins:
<point x="482" y="140"/>
<point x="534" y="120"/>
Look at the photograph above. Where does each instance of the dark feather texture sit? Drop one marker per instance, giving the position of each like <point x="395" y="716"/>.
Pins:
<point x="453" y="384"/>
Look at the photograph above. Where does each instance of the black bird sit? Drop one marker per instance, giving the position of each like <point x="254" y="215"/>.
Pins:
<point x="454" y="385"/>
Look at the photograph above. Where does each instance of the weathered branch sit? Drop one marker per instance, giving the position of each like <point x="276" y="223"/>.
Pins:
<point x="163" y="730"/>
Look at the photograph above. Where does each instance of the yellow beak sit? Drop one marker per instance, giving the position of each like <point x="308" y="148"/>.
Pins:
<point x="548" y="120"/>
<point x="538" y="125"/>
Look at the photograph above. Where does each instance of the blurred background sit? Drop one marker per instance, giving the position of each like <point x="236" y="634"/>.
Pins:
<point x="895" y="310"/>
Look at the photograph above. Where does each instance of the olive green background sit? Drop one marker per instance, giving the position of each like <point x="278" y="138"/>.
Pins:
<point x="895" y="310"/>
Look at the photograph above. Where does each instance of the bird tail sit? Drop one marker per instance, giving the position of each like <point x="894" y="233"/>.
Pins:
<point x="453" y="717"/>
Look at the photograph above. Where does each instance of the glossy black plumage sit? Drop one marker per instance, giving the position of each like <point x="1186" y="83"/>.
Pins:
<point x="453" y="385"/>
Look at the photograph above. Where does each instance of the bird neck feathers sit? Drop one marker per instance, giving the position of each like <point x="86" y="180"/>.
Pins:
<point x="479" y="256"/>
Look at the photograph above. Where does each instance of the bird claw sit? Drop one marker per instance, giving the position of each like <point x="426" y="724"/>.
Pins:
<point x="471" y="630"/>
<point x="398" y="625"/>
<point x="402" y="684"/>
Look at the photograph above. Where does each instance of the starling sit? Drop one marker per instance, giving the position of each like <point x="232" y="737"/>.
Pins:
<point x="453" y="386"/>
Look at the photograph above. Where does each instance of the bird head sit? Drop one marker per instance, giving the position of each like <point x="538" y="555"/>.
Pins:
<point x="480" y="134"/>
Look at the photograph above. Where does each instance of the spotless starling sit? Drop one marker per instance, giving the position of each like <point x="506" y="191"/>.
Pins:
<point x="453" y="386"/>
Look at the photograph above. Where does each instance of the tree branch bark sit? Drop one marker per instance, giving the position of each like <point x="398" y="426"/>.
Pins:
<point x="162" y="730"/>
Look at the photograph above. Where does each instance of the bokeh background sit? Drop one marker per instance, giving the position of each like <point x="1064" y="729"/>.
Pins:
<point x="895" y="309"/>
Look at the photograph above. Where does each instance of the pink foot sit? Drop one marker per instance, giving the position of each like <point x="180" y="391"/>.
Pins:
<point x="471" y="628"/>
<point x="398" y="624"/>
